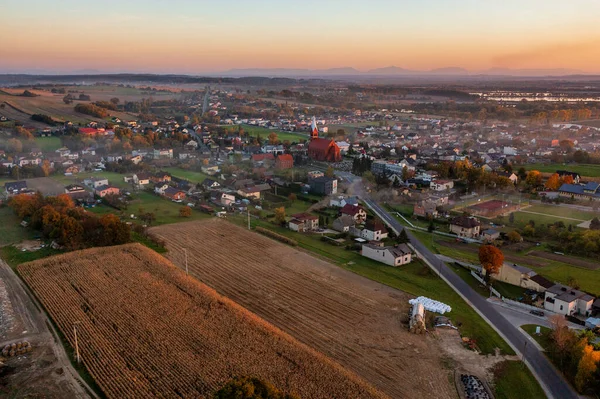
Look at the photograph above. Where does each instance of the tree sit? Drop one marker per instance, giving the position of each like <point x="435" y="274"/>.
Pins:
<point x="114" y="100"/>
<point x="511" y="218"/>
<point x="292" y="197"/>
<point x="553" y="182"/>
<point x="148" y="217"/>
<point x="250" y="388"/>
<point x="595" y="224"/>
<point x="185" y="212"/>
<point x="403" y="237"/>
<point x="588" y="364"/>
<point x="273" y="139"/>
<point x="405" y="173"/>
<point x="491" y="259"/>
<point x="14" y="145"/>
<point x="522" y="173"/>
<point x="431" y="226"/>
<point x="280" y="215"/>
<point x="329" y="172"/>
<point x="514" y="236"/>
<point x="534" y="178"/>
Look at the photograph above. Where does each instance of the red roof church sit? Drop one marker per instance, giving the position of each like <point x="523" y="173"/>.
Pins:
<point x="322" y="149"/>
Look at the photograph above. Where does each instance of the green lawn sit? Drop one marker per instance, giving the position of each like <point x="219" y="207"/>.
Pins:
<point x="10" y="230"/>
<point x="513" y="380"/>
<point x="543" y="339"/>
<point x="192" y="176"/>
<point x="254" y="131"/>
<point x="48" y="144"/>
<point x="415" y="278"/>
<point x="14" y="256"/>
<point x="582" y="169"/>
<point x="115" y="179"/>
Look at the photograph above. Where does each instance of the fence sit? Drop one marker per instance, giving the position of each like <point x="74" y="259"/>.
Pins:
<point x="520" y="304"/>
<point x="482" y="281"/>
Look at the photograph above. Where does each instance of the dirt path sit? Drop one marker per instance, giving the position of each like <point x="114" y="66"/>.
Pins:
<point x="567" y="259"/>
<point x="44" y="372"/>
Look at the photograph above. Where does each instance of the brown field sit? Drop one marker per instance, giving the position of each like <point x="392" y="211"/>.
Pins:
<point x="351" y="319"/>
<point x="145" y="329"/>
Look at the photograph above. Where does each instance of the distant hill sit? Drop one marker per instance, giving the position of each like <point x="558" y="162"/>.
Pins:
<point x="392" y="70"/>
<point x="271" y="72"/>
<point x="449" y="71"/>
<point x="532" y="72"/>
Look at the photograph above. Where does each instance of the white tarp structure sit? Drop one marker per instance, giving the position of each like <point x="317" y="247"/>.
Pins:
<point x="431" y="305"/>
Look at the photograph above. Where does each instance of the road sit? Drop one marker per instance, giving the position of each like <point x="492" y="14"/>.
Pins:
<point x="550" y="379"/>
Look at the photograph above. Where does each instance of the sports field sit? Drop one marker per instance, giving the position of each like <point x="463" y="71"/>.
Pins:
<point x="549" y="214"/>
<point x="583" y="169"/>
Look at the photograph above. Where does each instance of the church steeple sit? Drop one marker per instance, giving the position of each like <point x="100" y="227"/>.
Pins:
<point x="314" y="131"/>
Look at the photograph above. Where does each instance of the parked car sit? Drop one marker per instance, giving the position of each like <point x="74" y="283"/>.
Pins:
<point x="537" y="313"/>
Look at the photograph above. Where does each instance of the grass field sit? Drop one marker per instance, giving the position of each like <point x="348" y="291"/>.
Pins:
<point x="15" y="257"/>
<point x="48" y="144"/>
<point x="548" y="214"/>
<point x="543" y="339"/>
<point x="192" y="176"/>
<point x="415" y="279"/>
<point x="515" y="381"/>
<point x="115" y="179"/>
<point x="264" y="132"/>
<point x="582" y="169"/>
<point x="148" y="330"/>
<point x="10" y="230"/>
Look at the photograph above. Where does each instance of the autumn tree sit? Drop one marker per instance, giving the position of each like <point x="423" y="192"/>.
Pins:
<point x="292" y="197"/>
<point x="273" y="139"/>
<point x="553" y="182"/>
<point x="534" y="178"/>
<point x="567" y="179"/>
<point x="280" y="215"/>
<point x="491" y="259"/>
<point x="514" y="236"/>
<point x="587" y="367"/>
<point x="329" y="172"/>
<point x="185" y="212"/>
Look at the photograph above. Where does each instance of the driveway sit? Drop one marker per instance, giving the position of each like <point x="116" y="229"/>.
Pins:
<point x="518" y="317"/>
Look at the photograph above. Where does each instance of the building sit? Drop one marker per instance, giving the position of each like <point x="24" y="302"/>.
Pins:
<point x="392" y="256"/>
<point x="165" y="153"/>
<point x="341" y="201"/>
<point x="323" y="185"/>
<point x="314" y="174"/>
<point x="568" y="301"/>
<point x="322" y="149"/>
<point x="585" y="192"/>
<point x="95" y="182"/>
<point x="15" y="187"/>
<point x="465" y="226"/>
<point x="343" y="223"/>
<point x="490" y="235"/>
<point x="357" y="212"/>
<point x="303" y="222"/>
<point x="103" y="191"/>
<point x="284" y="161"/>
<point x="76" y="191"/>
<point x="441" y="185"/>
<point x="210" y="184"/>
<point x="521" y="277"/>
<point x="425" y="209"/>
<point x="374" y="230"/>
<point x="564" y="173"/>
<point x="174" y="194"/>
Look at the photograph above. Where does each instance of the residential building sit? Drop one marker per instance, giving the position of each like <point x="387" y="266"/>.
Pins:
<point x="174" y="194"/>
<point x="565" y="173"/>
<point x="341" y="201"/>
<point x="76" y="191"/>
<point x="210" y="184"/>
<point x="568" y="301"/>
<point x="490" y="235"/>
<point x="393" y="255"/>
<point x="465" y="226"/>
<point x="164" y="153"/>
<point x="521" y="276"/>
<point x="95" y="182"/>
<point x="425" y="209"/>
<point x="343" y="223"/>
<point x="103" y="191"/>
<point x="374" y="230"/>
<point x="357" y="212"/>
<point x="15" y="187"/>
<point x="441" y="185"/>
<point x="303" y="222"/>
<point x="323" y="185"/>
<point x="284" y="161"/>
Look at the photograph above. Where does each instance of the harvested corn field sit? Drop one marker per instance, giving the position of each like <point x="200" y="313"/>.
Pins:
<point x="147" y="330"/>
<point x="351" y="319"/>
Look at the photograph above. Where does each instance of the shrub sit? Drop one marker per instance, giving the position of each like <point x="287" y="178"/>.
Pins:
<point x="275" y="236"/>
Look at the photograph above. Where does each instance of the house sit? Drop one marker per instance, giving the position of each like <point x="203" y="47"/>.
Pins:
<point x="72" y="170"/>
<point x="374" y="230"/>
<point x="165" y="153"/>
<point x="303" y="222"/>
<point x="210" y="184"/>
<point x="160" y="188"/>
<point x="441" y="185"/>
<point x="521" y="276"/>
<point x="341" y="201"/>
<point x="425" y="209"/>
<point x="284" y="161"/>
<point x="357" y="212"/>
<point x="263" y="159"/>
<point x="343" y="223"/>
<point x="394" y="256"/>
<point x="95" y="182"/>
<point x="490" y="235"/>
<point x="223" y="198"/>
<point x="249" y="192"/>
<point x="76" y="191"/>
<point x="160" y="177"/>
<point x="564" y="173"/>
<point x="15" y="187"/>
<point x="141" y="179"/>
<point x="191" y="145"/>
<point x="174" y="194"/>
<point x="315" y="174"/>
<point x="323" y="185"/>
<point x="103" y="191"/>
<point x="568" y="301"/>
<point x="465" y="226"/>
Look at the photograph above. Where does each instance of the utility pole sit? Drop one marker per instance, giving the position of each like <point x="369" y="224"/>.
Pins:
<point x="76" y="344"/>
<point x="186" y="261"/>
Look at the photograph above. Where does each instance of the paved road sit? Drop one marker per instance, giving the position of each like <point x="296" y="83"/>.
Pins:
<point x="551" y="380"/>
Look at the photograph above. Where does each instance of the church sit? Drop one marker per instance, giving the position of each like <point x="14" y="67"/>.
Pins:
<point x="322" y="149"/>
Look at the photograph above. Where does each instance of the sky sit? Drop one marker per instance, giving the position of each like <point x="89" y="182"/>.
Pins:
<point x="198" y="36"/>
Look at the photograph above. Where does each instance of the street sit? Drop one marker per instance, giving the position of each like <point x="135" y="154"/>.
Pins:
<point x="550" y="379"/>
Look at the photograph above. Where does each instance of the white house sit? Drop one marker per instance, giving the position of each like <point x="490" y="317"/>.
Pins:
<point x="341" y="201"/>
<point x="441" y="185"/>
<point x="374" y="230"/>
<point x="160" y="188"/>
<point x="568" y="301"/>
<point x="392" y="256"/>
<point x="95" y="182"/>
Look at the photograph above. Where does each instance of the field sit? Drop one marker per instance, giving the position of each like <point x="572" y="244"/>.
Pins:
<point x="48" y="144"/>
<point x="145" y="329"/>
<point x="582" y="169"/>
<point x="353" y="320"/>
<point x="191" y="175"/>
<point x="548" y="214"/>
<point x="10" y="230"/>
<point x="264" y="132"/>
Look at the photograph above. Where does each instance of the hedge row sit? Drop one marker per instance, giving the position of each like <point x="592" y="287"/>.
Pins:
<point x="276" y="236"/>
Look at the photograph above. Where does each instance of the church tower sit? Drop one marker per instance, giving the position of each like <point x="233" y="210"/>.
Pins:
<point x="314" y="131"/>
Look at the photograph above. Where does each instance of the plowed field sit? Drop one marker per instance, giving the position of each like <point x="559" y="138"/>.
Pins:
<point x="353" y="320"/>
<point x="147" y="330"/>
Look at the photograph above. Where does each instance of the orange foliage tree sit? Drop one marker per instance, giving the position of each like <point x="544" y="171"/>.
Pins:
<point x="491" y="259"/>
<point x="553" y="182"/>
<point x="588" y="365"/>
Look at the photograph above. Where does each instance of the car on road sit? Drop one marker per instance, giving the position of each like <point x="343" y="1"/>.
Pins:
<point x="537" y="313"/>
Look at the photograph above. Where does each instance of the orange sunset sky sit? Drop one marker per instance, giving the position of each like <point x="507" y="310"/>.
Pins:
<point x="187" y="36"/>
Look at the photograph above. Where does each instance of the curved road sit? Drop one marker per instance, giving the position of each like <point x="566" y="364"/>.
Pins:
<point x="551" y="380"/>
